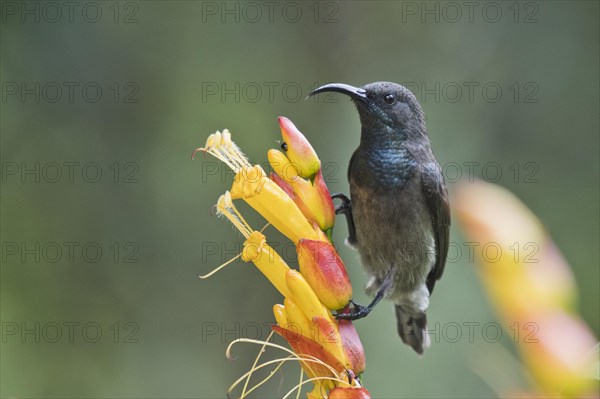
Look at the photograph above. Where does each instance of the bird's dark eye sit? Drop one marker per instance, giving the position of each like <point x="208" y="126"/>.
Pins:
<point x="284" y="146"/>
<point x="389" y="99"/>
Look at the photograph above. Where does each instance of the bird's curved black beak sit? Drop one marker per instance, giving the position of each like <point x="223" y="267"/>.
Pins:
<point x="356" y="93"/>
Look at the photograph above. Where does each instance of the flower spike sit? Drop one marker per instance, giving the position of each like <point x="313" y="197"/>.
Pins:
<point x="296" y="201"/>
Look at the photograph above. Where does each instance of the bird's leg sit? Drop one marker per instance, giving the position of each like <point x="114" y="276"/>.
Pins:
<point x="358" y="311"/>
<point x="346" y="209"/>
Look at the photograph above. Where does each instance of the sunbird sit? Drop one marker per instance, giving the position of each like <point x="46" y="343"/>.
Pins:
<point x="398" y="213"/>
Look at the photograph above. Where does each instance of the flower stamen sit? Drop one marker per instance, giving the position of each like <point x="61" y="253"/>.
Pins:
<point x="302" y="358"/>
<point x="226" y="208"/>
<point x="260" y="352"/>
<point x="207" y="275"/>
<point x="220" y="146"/>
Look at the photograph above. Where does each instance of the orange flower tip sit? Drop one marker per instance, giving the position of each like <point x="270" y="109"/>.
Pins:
<point x="298" y="149"/>
<point x="349" y="393"/>
<point x="323" y="269"/>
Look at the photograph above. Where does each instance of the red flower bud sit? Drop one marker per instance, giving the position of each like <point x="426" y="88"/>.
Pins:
<point x="324" y="271"/>
<point x="306" y="346"/>
<point x="352" y="346"/>
<point x="298" y="149"/>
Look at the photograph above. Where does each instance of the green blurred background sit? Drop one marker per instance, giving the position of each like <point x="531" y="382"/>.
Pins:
<point x="171" y="73"/>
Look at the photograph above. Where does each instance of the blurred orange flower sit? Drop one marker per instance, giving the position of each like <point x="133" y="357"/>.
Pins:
<point x="532" y="287"/>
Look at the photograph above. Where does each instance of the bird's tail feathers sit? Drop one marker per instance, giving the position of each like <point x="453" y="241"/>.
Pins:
<point x="412" y="328"/>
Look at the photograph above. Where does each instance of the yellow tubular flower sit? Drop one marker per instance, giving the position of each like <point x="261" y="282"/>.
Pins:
<point x="261" y="193"/>
<point x="253" y="186"/>
<point x="256" y="250"/>
<point x="306" y="298"/>
<point x="267" y="260"/>
<point x="283" y="167"/>
<point x="325" y="327"/>
<point x="296" y="319"/>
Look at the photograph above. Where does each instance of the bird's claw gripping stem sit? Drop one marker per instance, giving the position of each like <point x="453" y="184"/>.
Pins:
<point x="346" y="209"/>
<point x="359" y="311"/>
